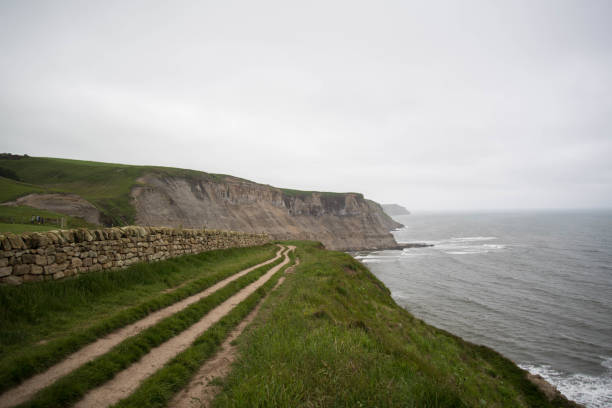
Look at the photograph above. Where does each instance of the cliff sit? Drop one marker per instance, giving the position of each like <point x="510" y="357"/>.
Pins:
<point x="116" y="194"/>
<point x="394" y="209"/>
<point x="339" y="220"/>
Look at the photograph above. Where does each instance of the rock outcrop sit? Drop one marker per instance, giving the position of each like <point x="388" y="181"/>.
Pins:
<point x="394" y="209"/>
<point x="340" y="221"/>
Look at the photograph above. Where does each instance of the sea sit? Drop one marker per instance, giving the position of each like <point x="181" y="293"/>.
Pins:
<point x="533" y="285"/>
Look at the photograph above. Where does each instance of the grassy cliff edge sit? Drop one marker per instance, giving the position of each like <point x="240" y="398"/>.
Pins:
<point x="331" y="335"/>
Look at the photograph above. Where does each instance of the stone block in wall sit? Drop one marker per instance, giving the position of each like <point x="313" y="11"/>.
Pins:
<point x="21" y="269"/>
<point x="5" y="243"/>
<point x="51" y="269"/>
<point x="5" y="271"/>
<point x="15" y="241"/>
<point x="36" y="270"/>
<point x="12" y="280"/>
<point x="60" y="257"/>
<point x="68" y="235"/>
<point x="34" y="259"/>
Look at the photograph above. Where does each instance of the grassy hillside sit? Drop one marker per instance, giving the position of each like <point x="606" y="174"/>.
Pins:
<point x="106" y="185"/>
<point x="332" y="336"/>
<point x="329" y="336"/>
<point x="12" y="189"/>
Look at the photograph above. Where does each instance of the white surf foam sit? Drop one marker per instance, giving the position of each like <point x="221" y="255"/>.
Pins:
<point x="592" y="391"/>
<point x="472" y="239"/>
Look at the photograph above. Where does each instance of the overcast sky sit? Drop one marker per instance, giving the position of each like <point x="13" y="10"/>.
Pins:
<point x="430" y="104"/>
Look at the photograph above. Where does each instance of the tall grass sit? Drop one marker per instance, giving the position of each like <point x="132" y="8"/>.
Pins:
<point x="75" y="385"/>
<point x="71" y="313"/>
<point x="160" y="388"/>
<point x="332" y="336"/>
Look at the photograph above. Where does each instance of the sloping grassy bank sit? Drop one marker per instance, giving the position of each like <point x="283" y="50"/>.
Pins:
<point x="332" y="336"/>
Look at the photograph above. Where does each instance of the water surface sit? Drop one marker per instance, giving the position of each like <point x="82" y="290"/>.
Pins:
<point x="536" y="286"/>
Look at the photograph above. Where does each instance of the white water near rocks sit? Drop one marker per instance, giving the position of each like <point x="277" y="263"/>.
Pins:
<point x="536" y="286"/>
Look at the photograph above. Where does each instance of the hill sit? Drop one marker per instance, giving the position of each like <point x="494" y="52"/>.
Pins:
<point x="395" y="209"/>
<point x="118" y="194"/>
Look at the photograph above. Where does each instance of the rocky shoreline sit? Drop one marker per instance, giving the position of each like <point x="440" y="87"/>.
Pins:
<point x="407" y="245"/>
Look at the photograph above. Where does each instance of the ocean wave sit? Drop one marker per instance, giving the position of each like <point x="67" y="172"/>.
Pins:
<point x="471" y="239"/>
<point x="470" y="249"/>
<point x="592" y="391"/>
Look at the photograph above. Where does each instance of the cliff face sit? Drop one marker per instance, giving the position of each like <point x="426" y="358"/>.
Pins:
<point x="339" y="221"/>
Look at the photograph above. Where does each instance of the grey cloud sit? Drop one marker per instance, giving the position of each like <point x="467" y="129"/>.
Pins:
<point x="434" y="105"/>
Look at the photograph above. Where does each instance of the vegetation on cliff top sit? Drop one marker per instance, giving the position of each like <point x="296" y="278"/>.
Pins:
<point x="331" y="335"/>
<point x="106" y="185"/>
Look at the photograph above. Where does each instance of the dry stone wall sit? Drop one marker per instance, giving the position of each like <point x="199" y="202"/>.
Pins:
<point x="40" y="256"/>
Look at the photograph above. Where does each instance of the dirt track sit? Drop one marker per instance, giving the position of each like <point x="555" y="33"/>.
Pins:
<point x="28" y="388"/>
<point x="199" y="392"/>
<point x="126" y="382"/>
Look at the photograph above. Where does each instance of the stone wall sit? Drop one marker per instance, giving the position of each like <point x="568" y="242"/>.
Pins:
<point x="40" y="256"/>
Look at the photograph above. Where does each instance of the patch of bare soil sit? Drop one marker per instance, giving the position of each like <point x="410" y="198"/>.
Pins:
<point x="31" y="386"/>
<point x="126" y="382"/>
<point x="292" y="268"/>
<point x="69" y="204"/>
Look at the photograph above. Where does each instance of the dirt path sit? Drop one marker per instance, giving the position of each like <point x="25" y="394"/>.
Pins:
<point x="28" y="388"/>
<point x="124" y="383"/>
<point x="200" y="392"/>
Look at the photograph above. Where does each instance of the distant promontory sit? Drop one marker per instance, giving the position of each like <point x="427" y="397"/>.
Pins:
<point x="395" y="209"/>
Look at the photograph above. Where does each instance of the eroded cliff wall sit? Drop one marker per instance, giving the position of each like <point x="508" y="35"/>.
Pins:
<point x="339" y="221"/>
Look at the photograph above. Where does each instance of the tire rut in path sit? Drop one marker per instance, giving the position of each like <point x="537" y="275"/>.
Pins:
<point x="32" y="385"/>
<point x="200" y="392"/>
<point x="126" y="382"/>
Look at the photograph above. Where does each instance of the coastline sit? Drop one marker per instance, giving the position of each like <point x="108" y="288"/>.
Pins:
<point x="550" y="390"/>
<point x="517" y="282"/>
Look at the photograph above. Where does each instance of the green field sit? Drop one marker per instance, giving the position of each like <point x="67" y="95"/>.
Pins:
<point x="11" y="189"/>
<point x="19" y="219"/>
<point x="18" y="228"/>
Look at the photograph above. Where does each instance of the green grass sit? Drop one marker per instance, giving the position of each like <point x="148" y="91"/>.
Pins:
<point x="21" y="215"/>
<point x="11" y="189"/>
<point x="106" y="185"/>
<point x="160" y="388"/>
<point x="332" y="336"/>
<point x="70" y="313"/>
<point x="19" y="228"/>
<point x="75" y="385"/>
<point x="303" y="193"/>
